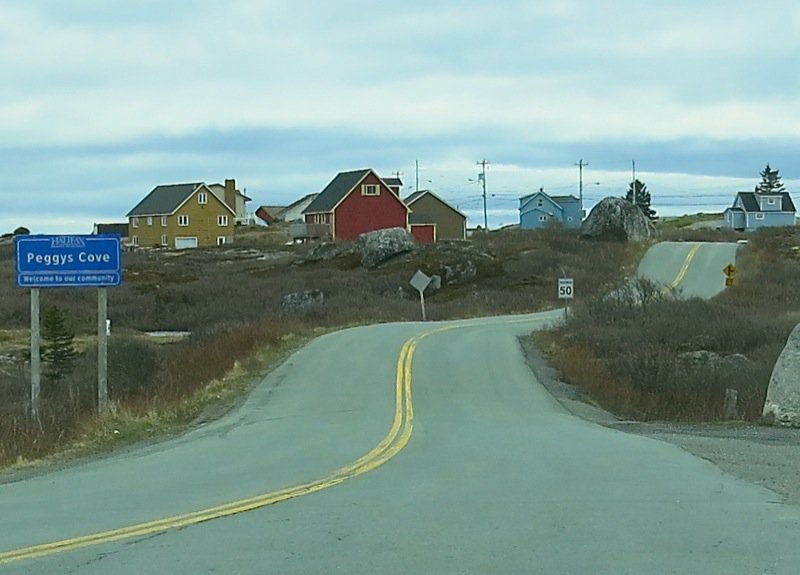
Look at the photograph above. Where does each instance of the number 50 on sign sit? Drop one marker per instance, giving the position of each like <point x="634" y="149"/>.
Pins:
<point x="566" y="288"/>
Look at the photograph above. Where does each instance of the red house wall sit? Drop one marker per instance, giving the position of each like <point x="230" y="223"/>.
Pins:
<point x="357" y="214"/>
<point x="424" y="233"/>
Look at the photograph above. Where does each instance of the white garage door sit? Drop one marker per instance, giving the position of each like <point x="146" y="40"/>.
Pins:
<point x="184" y="243"/>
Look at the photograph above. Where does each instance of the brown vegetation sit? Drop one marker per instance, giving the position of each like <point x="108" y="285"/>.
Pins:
<point x="230" y="298"/>
<point x="623" y="350"/>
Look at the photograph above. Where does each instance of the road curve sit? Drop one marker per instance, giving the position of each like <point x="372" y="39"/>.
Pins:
<point x="485" y="474"/>
<point x="694" y="269"/>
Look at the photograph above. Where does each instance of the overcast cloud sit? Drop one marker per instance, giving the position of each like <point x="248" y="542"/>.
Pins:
<point x="103" y="100"/>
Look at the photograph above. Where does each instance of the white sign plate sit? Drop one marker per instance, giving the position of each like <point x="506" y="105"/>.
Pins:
<point x="566" y="288"/>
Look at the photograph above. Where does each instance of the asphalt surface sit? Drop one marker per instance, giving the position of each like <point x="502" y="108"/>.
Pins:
<point x="477" y="470"/>
<point x="694" y="269"/>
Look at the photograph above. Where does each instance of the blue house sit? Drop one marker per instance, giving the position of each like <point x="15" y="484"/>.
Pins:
<point x="540" y="209"/>
<point x="753" y="210"/>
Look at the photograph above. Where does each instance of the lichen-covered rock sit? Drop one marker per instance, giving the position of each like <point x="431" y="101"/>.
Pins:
<point x="324" y="251"/>
<point x="459" y="272"/>
<point x="618" y="219"/>
<point x="782" y="405"/>
<point x="378" y="246"/>
<point x="708" y="359"/>
<point x="299" y="301"/>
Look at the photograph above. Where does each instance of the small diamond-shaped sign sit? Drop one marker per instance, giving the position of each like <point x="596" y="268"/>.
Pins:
<point x="420" y="281"/>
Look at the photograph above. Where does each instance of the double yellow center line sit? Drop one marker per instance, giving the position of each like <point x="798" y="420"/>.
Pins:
<point x="682" y="272"/>
<point x="397" y="438"/>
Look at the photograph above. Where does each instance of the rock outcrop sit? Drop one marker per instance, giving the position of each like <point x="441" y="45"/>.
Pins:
<point x="324" y="251"/>
<point x="299" y="301"/>
<point x="378" y="246"/>
<point x="619" y="220"/>
<point x="782" y="405"/>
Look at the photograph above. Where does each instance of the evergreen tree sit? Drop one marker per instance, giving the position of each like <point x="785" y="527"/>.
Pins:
<point x="770" y="182"/>
<point x="642" y="198"/>
<point x="58" y="346"/>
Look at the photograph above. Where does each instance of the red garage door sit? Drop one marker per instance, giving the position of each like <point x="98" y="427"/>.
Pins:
<point x="424" y="233"/>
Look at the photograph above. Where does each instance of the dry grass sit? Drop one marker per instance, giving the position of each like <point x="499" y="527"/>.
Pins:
<point x="230" y="298"/>
<point x="626" y="352"/>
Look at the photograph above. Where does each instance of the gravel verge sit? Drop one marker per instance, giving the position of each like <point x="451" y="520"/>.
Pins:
<point x="765" y="455"/>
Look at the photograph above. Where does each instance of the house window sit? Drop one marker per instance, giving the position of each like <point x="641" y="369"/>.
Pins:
<point x="320" y="218"/>
<point x="759" y="215"/>
<point x="221" y="240"/>
<point x="183" y="220"/>
<point x="135" y="222"/>
<point x="542" y="218"/>
<point x="202" y="198"/>
<point x="222" y="220"/>
<point x="164" y="240"/>
<point x="135" y="240"/>
<point x="149" y="220"/>
<point x="539" y="203"/>
<point x="569" y="218"/>
<point x="163" y="221"/>
<point x="771" y="201"/>
<point x="370" y="190"/>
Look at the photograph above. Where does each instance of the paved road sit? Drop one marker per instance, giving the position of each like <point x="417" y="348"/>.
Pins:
<point x="693" y="268"/>
<point x="496" y="478"/>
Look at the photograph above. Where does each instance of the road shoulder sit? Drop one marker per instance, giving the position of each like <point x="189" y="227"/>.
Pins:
<point x="766" y="456"/>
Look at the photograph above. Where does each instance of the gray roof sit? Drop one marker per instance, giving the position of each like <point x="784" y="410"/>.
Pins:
<point x="562" y="199"/>
<point x="417" y="195"/>
<point x="750" y="202"/>
<point x="164" y="200"/>
<point x="335" y="191"/>
<point x="119" y="229"/>
<point x="393" y="182"/>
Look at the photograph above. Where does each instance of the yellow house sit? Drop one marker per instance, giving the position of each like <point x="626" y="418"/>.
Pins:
<point x="182" y="216"/>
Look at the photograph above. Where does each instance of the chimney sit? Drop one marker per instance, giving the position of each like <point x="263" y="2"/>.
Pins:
<point x="230" y="194"/>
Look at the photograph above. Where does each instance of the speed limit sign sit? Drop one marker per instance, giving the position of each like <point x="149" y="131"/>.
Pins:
<point x="566" y="288"/>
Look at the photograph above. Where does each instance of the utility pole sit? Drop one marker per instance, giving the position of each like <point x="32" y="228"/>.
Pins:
<point x="580" y="163"/>
<point x="416" y="175"/>
<point x="633" y="182"/>
<point x="482" y="177"/>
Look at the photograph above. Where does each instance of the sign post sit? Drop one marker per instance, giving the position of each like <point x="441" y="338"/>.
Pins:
<point x="36" y="377"/>
<point x="566" y="291"/>
<point x="419" y="282"/>
<point x="69" y="261"/>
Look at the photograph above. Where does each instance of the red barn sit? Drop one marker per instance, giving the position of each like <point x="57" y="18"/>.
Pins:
<point x="355" y="203"/>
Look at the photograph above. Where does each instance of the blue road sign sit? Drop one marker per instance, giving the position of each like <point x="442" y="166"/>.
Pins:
<point x="68" y="261"/>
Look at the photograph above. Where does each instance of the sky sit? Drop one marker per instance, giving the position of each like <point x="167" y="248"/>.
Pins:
<point x="104" y="100"/>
